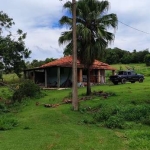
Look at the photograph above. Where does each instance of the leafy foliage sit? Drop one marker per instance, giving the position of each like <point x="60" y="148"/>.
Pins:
<point x="3" y="108"/>
<point x="12" y="48"/>
<point x="115" y="122"/>
<point x="7" y="123"/>
<point x="116" y="117"/>
<point x="117" y="55"/>
<point x="36" y="63"/>
<point x="1" y="76"/>
<point x="147" y="59"/>
<point x="92" y="22"/>
<point x="92" y="34"/>
<point x="26" y="89"/>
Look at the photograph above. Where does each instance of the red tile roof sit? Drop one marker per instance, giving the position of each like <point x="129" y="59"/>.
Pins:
<point x="67" y="62"/>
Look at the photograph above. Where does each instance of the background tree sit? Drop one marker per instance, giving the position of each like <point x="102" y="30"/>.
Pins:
<point x="117" y="55"/>
<point x="47" y="60"/>
<point x="147" y="59"/>
<point x="92" y="36"/>
<point x="12" y="48"/>
<point x="37" y="63"/>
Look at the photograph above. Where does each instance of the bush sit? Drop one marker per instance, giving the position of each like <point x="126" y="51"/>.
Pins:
<point x="7" y="123"/>
<point x="135" y="113"/>
<point x="26" y="89"/>
<point x="146" y="120"/>
<point x="105" y="113"/>
<point x="115" y="122"/>
<point x="115" y="117"/>
<point x="3" y="108"/>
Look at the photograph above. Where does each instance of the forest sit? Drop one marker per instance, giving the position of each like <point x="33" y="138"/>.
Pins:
<point x="116" y="55"/>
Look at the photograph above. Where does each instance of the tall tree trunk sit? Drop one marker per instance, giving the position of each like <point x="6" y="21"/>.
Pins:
<point x="88" y="92"/>
<point x="75" y="102"/>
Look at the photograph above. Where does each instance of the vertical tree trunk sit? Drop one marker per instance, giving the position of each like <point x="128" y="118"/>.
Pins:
<point x="88" y="92"/>
<point x="74" y="64"/>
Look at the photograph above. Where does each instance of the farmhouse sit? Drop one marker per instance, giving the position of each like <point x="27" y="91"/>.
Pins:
<point x="58" y="73"/>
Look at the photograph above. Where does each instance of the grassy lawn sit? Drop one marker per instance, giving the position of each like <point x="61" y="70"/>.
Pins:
<point x="10" y="78"/>
<point x="139" y="68"/>
<point x="60" y="128"/>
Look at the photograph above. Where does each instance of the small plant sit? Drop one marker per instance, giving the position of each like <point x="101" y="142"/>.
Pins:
<point x="3" y="108"/>
<point x="7" y="123"/>
<point x="105" y="113"/>
<point x="115" y="122"/>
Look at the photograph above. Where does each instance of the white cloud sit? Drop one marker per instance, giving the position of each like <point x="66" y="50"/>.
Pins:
<point x="135" y="14"/>
<point x="40" y="19"/>
<point x="45" y="43"/>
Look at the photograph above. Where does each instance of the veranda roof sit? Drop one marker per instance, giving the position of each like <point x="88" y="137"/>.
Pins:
<point x="67" y="62"/>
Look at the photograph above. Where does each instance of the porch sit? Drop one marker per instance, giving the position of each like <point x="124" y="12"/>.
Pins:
<point x="61" y="77"/>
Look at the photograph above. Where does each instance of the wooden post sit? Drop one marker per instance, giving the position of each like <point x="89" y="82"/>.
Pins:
<point x="58" y="77"/>
<point x="80" y="75"/>
<point x="45" y="78"/>
<point x="101" y="76"/>
<point x="104" y="76"/>
<point x="98" y="76"/>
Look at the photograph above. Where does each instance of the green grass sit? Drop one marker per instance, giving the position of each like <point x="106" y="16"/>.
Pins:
<point x="60" y="128"/>
<point x="10" y="77"/>
<point x="139" y="68"/>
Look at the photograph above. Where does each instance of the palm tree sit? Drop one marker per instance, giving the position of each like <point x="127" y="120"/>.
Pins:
<point x="92" y="23"/>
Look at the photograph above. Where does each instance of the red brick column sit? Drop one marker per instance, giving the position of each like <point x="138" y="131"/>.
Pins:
<point x="80" y="75"/>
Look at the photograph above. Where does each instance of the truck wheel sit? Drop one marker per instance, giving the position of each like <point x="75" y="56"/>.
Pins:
<point x="140" y="80"/>
<point x="123" y="81"/>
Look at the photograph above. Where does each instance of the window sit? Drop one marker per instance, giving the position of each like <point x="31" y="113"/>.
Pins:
<point x="129" y="73"/>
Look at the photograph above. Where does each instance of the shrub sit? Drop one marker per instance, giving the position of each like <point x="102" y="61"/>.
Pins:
<point x="105" y="113"/>
<point x="115" y="117"/>
<point x="3" y="108"/>
<point x="146" y="120"/>
<point x="102" y="115"/>
<point x="7" y="123"/>
<point x="26" y="89"/>
<point x="115" y="122"/>
<point x="135" y="113"/>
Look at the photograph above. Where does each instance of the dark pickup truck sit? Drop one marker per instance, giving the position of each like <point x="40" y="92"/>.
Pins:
<point x="124" y="76"/>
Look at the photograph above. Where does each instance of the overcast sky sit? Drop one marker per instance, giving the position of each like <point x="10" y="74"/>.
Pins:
<point x="39" y="18"/>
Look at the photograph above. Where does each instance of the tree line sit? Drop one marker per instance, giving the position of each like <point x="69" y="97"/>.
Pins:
<point x="111" y="56"/>
<point x="117" y="55"/>
<point x="37" y="63"/>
